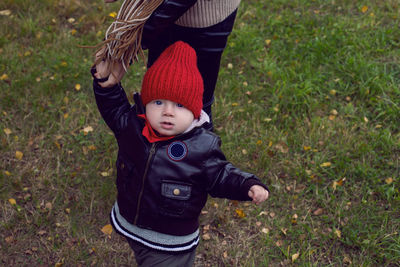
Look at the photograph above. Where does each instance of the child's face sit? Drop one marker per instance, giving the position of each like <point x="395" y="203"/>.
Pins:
<point x="167" y="117"/>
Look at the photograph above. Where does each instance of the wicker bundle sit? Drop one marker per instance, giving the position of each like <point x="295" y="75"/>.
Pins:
<point x="123" y="38"/>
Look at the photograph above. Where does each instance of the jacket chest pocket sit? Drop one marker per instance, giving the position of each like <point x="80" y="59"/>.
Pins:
<point x="174" y="197"/>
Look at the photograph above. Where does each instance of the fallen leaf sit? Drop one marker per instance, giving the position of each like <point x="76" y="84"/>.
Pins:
<point x="5" y="12"/>
<point x="294" y="218"/>
<point x="9" y="239"/>
<point x="265" y="230"/>
<point x="206" y="237"/>
<point x="113" y="14"/>
<point x="42" y="232"/>
<point x="240" y="213"/>
<point x="19" y="154"/>
<point x="12" y="201"/>
<point x="318" y="211"/>
<point x="87" y="130"/>
<point x="389" y="180"/>
<point x="230" y="66"/>
<point x="326" y="164"/>
<point x="338" y="233"/>
<point x="107" y="230"/>
<point x="7" y="173"/>
<point x="7" y="131"/>
<point x="295" y="256"/>
<point x="364" y="9"/>
<point x="105" y="174"/>
<point x="77" y="87"/>
<point x="338" y="183"/>
<point x="306" y="148"/>
<point x="267" y="41"/>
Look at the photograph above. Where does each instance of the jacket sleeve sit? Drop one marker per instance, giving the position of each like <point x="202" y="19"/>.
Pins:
<point x="162" y="18"/>
<point x="113" y="105"/>
<point x="225" y="180"/>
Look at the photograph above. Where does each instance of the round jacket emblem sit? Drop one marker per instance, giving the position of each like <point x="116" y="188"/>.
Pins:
<point x="177" y="150"/>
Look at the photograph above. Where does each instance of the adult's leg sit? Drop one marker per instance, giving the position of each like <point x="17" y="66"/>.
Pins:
<point x="209" y="44"/>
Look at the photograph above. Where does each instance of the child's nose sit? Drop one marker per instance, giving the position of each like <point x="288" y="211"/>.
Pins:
<point x="168" y="110"/>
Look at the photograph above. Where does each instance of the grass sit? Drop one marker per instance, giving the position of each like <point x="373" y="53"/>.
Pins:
<point x="307" y="99"/>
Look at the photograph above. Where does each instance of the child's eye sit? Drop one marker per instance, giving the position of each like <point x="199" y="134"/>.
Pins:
<point x="157" y="102"/>
<point x="179" y="105"/>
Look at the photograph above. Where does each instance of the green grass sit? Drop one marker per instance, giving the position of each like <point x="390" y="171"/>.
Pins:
<point x="307" y="98"/>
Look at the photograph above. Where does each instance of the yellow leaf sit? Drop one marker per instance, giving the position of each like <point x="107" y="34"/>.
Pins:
<point x="389" y="180"/>
<point x="107" y="230"/>
<point x="268" y="42"/>
<point x="92" y="147"/>
<point x="71" y="20"/>
<point x="235" y="104"/>
<point x="73" y="32"/>
<point x="230" y="66"/>
<point x="105" y="174"/>
<point x="3" y="77"/>
<point x="295" y="256"/>
<point x="7" y="131"/>
<point x="240" y="213"/>
<point x="19" y="154"/>
<point x="12" y="201"/>
<point x="7" y="173"/>
<point x="338" y="183"/>
<point x="64" y="63"/>
<point x="306" y="148"/>
<point x="245" y="84"/>
<point x="364" y="9"/>
<point x="332" y="92"/>
<point x="259" y="142"/>
<point x="113" y="14"/>
<point x="326" y="164"/>
<point x="66" y="115"/>
<point x="77" y="87"/>
<point x="27" y="53"/>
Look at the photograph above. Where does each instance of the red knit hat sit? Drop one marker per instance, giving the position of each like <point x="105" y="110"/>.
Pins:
<point x="174" y="76"/>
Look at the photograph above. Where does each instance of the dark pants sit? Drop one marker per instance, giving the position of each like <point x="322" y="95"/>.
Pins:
<point x="146" y="257"/>
<point x="209" y="44"/>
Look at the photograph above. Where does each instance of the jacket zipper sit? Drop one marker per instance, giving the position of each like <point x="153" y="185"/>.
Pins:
<point x="151" y="154"/>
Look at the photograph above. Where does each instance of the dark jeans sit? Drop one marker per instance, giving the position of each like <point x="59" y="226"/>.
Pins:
<point x="146" y="257"/>
<point x="209" y="44"/>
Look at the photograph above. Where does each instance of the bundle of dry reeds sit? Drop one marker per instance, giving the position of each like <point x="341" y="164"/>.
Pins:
<point x="123" y="38"/>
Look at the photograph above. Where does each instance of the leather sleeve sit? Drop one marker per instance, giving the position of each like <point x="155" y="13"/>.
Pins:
<point x="225" y="180"/>
<point x="113" y="105"/>
<point x="162" y="18"/>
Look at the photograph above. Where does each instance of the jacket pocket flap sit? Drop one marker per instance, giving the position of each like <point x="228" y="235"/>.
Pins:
<point x="176" y="191"/>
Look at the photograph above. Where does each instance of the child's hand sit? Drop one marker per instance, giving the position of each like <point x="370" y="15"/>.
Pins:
<point x="258" y="194"/>
<point x="114" y="72"/>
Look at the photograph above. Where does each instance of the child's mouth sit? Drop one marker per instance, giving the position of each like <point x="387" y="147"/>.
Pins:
<point x="167" y="125"/>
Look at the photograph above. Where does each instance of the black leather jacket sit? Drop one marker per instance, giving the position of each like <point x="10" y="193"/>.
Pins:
<point x="164" y="185"/>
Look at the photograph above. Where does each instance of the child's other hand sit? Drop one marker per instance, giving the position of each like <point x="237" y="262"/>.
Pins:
<point x="258" y="194"/>
<point x="115" y="72"/>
